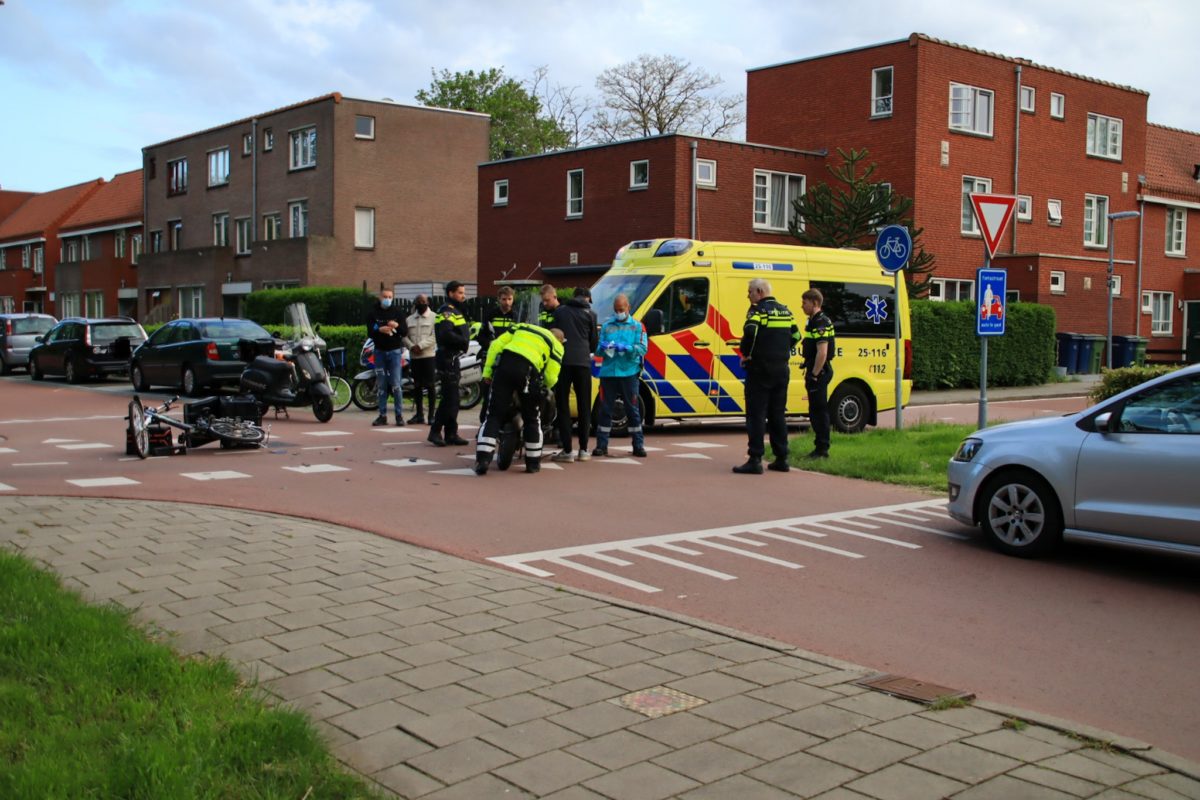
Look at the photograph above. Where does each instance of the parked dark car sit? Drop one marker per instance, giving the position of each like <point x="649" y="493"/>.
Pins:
<point x="18" y="335"/>
<point x="80" y="348"/>
<point x="194" y="354"/>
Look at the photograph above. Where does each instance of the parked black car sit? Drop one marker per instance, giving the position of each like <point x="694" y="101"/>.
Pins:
<point x="18" y="335"/>
<point x="194" y="354"/>
<point x="80" y="348"/>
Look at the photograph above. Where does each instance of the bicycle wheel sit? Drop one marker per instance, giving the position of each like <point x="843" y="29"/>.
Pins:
<point x="364" y="394"/>
<point x="342" y="394"/>
<point x="137" y="424"/>
<point x="237" y="432"/>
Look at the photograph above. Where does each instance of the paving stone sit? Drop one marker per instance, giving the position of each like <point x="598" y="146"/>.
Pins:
<point x="475" y="623"/>
<point x="562" y="668"/>
<point x="963" y="762"/>
<point x="617" y="749"/>
<point x="646" y="624"/>
<point x="579" y="692"/>
<point x="366" y="644"/>
<point x="641" y="782"/>
<point x="879" y="706"/>
<point x="737" y="786"/>
<point x="596" y="718"/>
<point x="739" y="712"/>
<point x="616" y="654"/>
<point x="405" y="781"/>
<point x="309" y="618"/>
<point x="547" y="649"/>
<point x="476" y="788"/>
<point x="803" y="774"/>
<point x="195" y="605"/>
<point x="365" y="667"/>
<point x="794" y="695"/>
<point x="518" y="708"/>
<point x="1184" y="785"/>
<point x="450" y="726"/>
<point x="689" y="662"/>
<point x="511" y="597"/>
<point x="712" y="685"/>
<point x="766" y="673"/>
<point x="842" y="793"/>
<point x="1015" y="744"/>
<point x="1056" y="780"/>
<point x="863" y="751"/>
<point x="769" y="740"/>
<point x="531" y="738"/>
<point x="484" y="663"/>
<point x="246" y="654"/>
<point x="363" y="722"/>
<point x="461" y="760"/>
<point x="534" y="629"/>
<point x="969" y="719"/>
<point x="549" y="772"/>
<point x="1117" y="794"/>
<point x="680" y="730"/>
<point x="504" y="683"/>
<point x="421" y="633"/>
<point x="1088" y="769"/>
<point x="588" y="618"/>
<point x="1122" y="761"/>
<point x="600" y="635"/>
<point x="356" y="610"/>
<point x="902" y="782"/>
<point x="305" y="659"/>
<point x="707" y="762"/>
<point x="525" y="612"/>
<point x="575" y="793"/>
<point x="381" y="750"/>
<point x="1004" y="787"/>
<point x="320" y="705"/>
<point x="361" y="694"/>
<point x="923" y="734"/>
<point x="482" y="642"/>
<point x="827" y="677"/>
<point x="635" y="676"/>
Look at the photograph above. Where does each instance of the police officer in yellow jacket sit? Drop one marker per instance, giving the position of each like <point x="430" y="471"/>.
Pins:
<point x="521" y="361"/>
<point x="768" y="339"/>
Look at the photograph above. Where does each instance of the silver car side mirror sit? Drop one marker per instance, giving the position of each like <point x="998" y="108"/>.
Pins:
<point x="1102" y="421"/>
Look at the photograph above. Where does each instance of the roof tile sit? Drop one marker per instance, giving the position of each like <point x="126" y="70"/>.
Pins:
<point x="43" y="211"/>
<point x="119" y="200"/>
<point x="1172" y="159"/>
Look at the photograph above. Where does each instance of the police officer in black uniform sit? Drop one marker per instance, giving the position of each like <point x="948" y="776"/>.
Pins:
<point x="453" y="339"/>
<point x="768" y="339"/>
<point x="820" y="344"/>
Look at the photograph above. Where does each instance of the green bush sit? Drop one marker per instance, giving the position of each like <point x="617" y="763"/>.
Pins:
<point x="946" y="349"/>
<point x="1114" y="381"/>
<point x="329" y="305"/>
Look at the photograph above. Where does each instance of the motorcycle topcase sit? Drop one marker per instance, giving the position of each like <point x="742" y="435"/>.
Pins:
<point x="243" y="407"/>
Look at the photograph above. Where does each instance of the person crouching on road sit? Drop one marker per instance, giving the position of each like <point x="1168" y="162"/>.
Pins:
<point x="768" y="338"/>
<point x="621" y="349"/>
<point x="422" y="347"/>
<point x="523" y="361"/>
<point x="386" y="327"/>
<point x="577" y="321"/>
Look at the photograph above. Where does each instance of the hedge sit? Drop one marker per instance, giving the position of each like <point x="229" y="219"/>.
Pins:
<point x="946" y="349"/>
<point x="1114" y="381"/>
<point x="329" y="305"/>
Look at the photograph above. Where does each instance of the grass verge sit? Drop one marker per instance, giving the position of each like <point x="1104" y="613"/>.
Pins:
<point x="91" y="707"/>
<point x="913" y="456"/>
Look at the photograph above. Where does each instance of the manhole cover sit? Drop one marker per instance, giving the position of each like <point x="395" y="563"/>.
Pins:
<point x="658" y="701"/>
<point x="913" y="689"/>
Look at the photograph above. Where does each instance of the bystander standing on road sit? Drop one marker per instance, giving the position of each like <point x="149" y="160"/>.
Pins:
<point x="453" y="339"/>
<point x="622" y="345"/>
<point x="422" y="349"/>
<point x="577" y="321"/>
<point x="819" y="346"/>
<point x="769" y="335"/>
<point x="386" y="327"/>
<point x="496" y="322"/>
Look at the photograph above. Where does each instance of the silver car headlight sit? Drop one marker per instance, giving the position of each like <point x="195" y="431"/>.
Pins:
<point x="968" y="449"/>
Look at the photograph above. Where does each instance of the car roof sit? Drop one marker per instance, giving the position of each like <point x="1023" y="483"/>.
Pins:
<point x="25" y="315"/>
<point x="92" y="320"/>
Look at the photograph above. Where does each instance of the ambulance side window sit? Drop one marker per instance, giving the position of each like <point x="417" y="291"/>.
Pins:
<point x="684" y="304"/>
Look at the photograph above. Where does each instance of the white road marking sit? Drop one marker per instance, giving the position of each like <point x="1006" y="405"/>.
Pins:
<point x="310" y="469"/>
<point x="641" y="587"/>
<point x="712" y="573"/>
<point x="802" y="531"/>
<point x="628" y="448"/>
<point x="85" y="446"/>
<point x="620" y="562"/>
<point x="92" y="483"/>
<point x="328" y="433"/>
<point x="218" y="475"/>
<point x="58" y="441"/>
<point x="859" y="524"/>
<point x="826" y="548"/>
<point x="4" y="487"/>
<point x="57" y="419"/>
<point x="8" y="450"/>
<point x="756" y="556"/>
<point x="469" y="472"/>
<point x="872" y="536"/>
<point x="323" y="447"/>
<point x="690" y="455"/>
<point x="407" y="462"/>
<point x="619" y="460"/>
<point x="40" y="463"/>
<point x="399" y="444"/>
<point x="937" y="531"/>
<point x="698" y="445"/>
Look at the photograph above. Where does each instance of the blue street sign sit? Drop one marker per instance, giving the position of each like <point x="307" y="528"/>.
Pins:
<point x="893" y="246"/>
<point x="991" y="286"/>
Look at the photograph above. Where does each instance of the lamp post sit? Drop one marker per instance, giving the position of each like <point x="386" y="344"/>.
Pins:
<point x="1111" y="217"/>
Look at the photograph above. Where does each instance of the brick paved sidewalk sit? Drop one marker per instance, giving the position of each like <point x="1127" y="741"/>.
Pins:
<point x="441" y="678"/>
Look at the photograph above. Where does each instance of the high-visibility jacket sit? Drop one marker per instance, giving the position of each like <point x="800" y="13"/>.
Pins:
<point x="769" y="335"/>
<point x="496" y="323"/>
<point x="819" y="329"/>
<point x="536" y="345"/>
<point x="450" y="328"/>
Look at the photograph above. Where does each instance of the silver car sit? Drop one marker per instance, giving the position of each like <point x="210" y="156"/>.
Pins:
<point x="1125" y="472"/>
<point x="18" y="335"/>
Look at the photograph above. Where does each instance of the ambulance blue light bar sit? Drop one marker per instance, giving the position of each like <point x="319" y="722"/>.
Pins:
<point x="673" y="247"/>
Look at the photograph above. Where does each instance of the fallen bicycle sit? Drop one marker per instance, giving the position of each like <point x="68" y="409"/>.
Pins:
<point x="216" y="419"/>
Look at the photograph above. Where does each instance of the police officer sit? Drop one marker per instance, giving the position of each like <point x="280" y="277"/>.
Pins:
<point x="546" y="315"/>
<point x="820" y="344"/>
<point x="523" y="360"/>
<point x="453" y="339"/>
<point x="768" y="338"/>
<point x="497" y="321"/>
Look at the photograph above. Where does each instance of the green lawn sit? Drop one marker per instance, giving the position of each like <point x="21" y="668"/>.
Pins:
<point x="914" y="456"/>
<point x="90" y="707"/>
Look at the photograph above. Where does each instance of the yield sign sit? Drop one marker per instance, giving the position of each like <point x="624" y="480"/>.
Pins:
<point x="993" y="211"/>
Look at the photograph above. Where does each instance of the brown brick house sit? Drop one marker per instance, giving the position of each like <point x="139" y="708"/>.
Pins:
<point x="100" y="243"/>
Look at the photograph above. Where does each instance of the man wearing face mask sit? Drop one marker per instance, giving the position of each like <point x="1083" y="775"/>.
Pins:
<point x="386" y="327"/>
<point x="622" y="347"/>
<point x="422" y="347"/>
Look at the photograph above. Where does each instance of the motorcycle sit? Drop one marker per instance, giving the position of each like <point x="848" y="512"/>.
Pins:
<point x="295" y="376"/>
<point x="364" y="392"/>
<point x="510" y="440"/>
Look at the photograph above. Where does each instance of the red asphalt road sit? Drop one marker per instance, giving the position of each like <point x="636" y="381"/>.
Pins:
<point x="1101" y="637"/>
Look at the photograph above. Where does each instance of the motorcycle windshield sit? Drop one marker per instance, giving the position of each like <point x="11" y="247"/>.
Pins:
<point x="296" y="325"/>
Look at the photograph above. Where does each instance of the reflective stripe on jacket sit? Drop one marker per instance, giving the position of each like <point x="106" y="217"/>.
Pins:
<point x="536" y="345"/>
<point x="769" y="335"/>
<point x="450" y="327"/>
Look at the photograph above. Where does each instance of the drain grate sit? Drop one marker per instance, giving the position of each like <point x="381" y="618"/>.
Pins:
<point x="913" y="689"/>
<point x="658" y="701"/>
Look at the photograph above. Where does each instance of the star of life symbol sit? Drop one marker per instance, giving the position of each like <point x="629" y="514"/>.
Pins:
<point x="876" y="309"/>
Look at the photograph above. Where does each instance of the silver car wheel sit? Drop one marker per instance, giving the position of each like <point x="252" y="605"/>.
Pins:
<point x="1016" y="514"/>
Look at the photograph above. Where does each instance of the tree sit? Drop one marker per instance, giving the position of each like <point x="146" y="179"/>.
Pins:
<point x="848" y="212"/>
<point x="662" y="94"/>
<point x="563" y="104"/>
<point x="518" y="123"/>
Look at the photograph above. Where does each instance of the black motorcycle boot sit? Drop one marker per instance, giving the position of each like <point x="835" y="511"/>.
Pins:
<point x="481" y="464"/>
<point x="779" y="465"/>
<point x="753" y="466"/>
<point x="380" y="420"/>
<point x="533" y="465"/>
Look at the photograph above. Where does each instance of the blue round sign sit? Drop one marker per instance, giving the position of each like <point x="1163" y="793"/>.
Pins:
<point x="893" y="247"/>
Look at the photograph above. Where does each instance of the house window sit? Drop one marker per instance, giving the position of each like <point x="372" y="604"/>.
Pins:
<point x="881" y="192"/>
<point x="1024" y="208"/>
<point x="500" y="193"/>
<point x="7" y="304"/>
<point x="177" y="176"/>
<point x="706" y="172"/>
<point x="119" y="244"/>
<point x="220" y="230"/>
<point x="639" y="174"/>
<point x="364" y="127"/>
<point x="281" y="284"/>
<point x="26" y="252"/>
<point x="218" y="167"/>
<point x="268" y="140"/>
<point x="1176" y="231"/>
<point x="1058" y="282"/>
<point x="1054" y="212"/>
<point x="247" y="143"/>
<point x="135" y="248"/>
<point x="946" y="290"/>
<point x="1095" y="212"/>
<point x="364" y="227"/>
<point x="1116" y="285"/>
<point x="971" y="186"/>
<point x="244" y="230"/>
<point x="1058" y="105"/>
<point x="191" y="301"/>
<point x="575" y="193"/>
<point x="881" y="92"/>
<point x="774" y="193"/>
<point x="155" y="241"/>
<point x="85" y="248"/>
<point x="971" y="109"/>
<point x="72" y="253"/>
<point x="304" y="148"/>
<point x="93" y="304"/>
<point x="1104" y="136"/>
<point x="70" y="304"/>
<point x="176" y="232"/>
<point x="298" y="213"/>
<point x="1028" y="96"/>
<point x="272" y="227"/>
<point x="1160" y="305"/>
<point x="39" y="258"/>
<point x="3" y="264"/>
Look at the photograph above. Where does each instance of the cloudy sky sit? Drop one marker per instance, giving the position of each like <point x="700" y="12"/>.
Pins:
<point x="88" y="83"/>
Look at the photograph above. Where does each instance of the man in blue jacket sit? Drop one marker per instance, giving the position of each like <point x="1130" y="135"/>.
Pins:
<point x="621" y="349"/>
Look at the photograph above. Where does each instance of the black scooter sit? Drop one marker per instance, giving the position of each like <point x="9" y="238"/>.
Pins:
<point x="299" y="378"/>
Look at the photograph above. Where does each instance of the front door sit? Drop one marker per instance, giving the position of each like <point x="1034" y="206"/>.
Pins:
<point x="1191" y="331"/>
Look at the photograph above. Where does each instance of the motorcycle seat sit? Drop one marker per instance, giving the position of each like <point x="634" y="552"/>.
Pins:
<point x="271" y="366"/>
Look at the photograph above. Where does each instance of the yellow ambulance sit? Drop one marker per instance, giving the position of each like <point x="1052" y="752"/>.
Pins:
<point x="691" y="298"/>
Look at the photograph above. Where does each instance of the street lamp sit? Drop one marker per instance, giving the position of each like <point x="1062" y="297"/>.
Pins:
<point x="1113" y="216"/>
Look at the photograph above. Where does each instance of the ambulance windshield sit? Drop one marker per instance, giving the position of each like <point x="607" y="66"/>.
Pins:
<point x="636" y="287"/>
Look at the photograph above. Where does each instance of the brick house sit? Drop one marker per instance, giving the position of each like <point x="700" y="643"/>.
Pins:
<point x="330" y="191"/>
<point x="29" y="252"/>
<point x="99" y="247"/>
<point x="561" y="217"/>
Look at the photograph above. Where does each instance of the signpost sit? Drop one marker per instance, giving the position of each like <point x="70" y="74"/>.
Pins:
<point x="993" y="212"/>
<point x="893" y="247"/>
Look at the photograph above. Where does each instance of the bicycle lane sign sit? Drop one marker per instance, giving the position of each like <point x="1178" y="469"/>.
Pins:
<point x="893" y="246"/>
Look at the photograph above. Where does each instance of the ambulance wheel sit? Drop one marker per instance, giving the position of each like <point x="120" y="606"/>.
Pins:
<point x="848" y="408"/>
